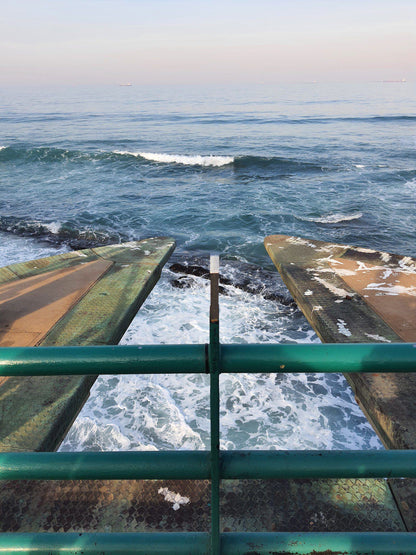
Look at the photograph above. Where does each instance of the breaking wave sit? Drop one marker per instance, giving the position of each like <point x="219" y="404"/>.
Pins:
<point x="188" y="160"/>
<point x="243" y="162"/>
<point x="332" y="218"/>
<point x="275" y="163"/>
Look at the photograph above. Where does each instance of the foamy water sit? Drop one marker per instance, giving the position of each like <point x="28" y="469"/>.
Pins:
<point x="53" y="227"/>
<point x="218" y="170"/>
<point x="258" y="411"/>
<point x="19" y="249"/>
<point x="335" y="218"/>
<point x="187" y="160"/>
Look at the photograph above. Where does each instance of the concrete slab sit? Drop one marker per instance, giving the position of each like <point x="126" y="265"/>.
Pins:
<point x="246" y="505"/>
<point x="389" y="290"/>
<point x="30" y="307"/>
<point x="353" y="294"/>
<point x="84" y="297"/>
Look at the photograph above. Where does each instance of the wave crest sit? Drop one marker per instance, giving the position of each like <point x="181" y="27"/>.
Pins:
<point x="277" y="164"/>
<point x="250" y="163"/>
<point x="333" y="218"/>
<point x="188" y="160"/>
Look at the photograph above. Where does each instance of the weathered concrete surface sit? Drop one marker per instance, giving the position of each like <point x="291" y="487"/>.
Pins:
<point x="357" y="295"/>
<point x="389" y="290"/>
<point x="30" y="307"/>
<point x="86" y="297"/>
<point x="246" y="505"/>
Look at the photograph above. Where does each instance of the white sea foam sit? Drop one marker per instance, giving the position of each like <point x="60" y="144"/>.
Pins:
<point x="53" y="227"/>
<point x="258" y="411"/>
<point x="188" y="160"/>
<point x="3" y="147"/>
<point x="18" y="249"/>
<point x="333" y="218"/>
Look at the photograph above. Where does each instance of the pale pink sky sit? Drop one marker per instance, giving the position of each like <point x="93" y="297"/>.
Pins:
<point x="206" y="41"/>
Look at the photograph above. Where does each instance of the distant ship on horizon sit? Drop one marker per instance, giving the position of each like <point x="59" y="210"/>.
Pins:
<point x="395" y="81"/>
<point x="126" y="85"/>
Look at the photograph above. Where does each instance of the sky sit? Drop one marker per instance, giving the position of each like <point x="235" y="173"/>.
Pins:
<point x="205" y="41"/>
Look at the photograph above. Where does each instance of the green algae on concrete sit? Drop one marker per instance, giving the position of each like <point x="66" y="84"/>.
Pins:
<point x="36" y="412"/>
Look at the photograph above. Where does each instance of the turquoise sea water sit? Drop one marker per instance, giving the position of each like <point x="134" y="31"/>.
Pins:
<point x="218" y="170"/>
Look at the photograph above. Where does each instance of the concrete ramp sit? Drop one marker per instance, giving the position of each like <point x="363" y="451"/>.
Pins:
<point x="86" y="297"/>
<point x="359" y="295"/>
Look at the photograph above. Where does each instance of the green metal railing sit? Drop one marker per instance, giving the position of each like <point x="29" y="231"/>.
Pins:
<point x="215" y="465"/>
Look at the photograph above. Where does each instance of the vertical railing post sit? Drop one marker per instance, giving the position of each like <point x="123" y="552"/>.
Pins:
<point x="214" y="369"/>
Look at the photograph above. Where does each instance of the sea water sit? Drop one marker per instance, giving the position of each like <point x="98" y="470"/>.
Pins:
<point x="218" y="169"/>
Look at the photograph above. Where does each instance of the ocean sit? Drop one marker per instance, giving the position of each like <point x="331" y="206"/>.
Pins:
<point x="218" y="169"/>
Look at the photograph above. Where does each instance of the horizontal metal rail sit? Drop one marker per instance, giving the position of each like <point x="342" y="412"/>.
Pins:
<point x="192" y="359"/>
<point x="215" y="465"/>
<point x="195" y="465"/>
<point x="198" y="543"/>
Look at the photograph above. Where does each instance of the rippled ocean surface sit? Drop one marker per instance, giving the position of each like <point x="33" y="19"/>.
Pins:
<point x="218" y="169"/>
